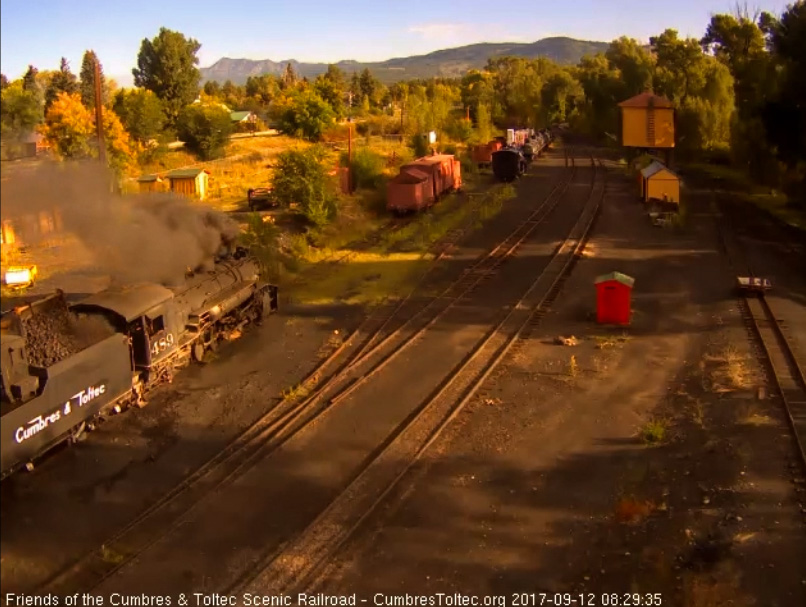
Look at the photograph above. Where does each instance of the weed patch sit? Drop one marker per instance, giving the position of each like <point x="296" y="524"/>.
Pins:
<point x="654" y="432"/>
<point x="111" y="556"/>
<point x="730" y="370"/>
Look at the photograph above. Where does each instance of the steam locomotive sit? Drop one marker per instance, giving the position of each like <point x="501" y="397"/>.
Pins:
<point x="64" y="367"/>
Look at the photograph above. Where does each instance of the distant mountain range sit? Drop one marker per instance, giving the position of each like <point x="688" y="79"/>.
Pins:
<point x="450" y="63"/>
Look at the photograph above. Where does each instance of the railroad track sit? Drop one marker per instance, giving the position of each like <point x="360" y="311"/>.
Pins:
<point x="770" y="343"/>
<point x="369" y="342"/>
<point x="295" y="567"/>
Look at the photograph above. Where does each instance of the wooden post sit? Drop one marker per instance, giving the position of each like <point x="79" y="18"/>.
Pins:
<point x="350" y="158"/>
<point x="99" y="116"/>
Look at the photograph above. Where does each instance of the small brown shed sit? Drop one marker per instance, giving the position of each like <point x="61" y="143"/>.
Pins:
<point x="150" y="183"/>
<point x="659" y="182"/>
<point x="190" y="182"/>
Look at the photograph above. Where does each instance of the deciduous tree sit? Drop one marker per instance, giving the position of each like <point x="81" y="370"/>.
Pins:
<point x="300" y="178"/>
<point x="68" y="126"/>
<point x="20" y="110"/>
<point x="303" y="114"/>
<point x="70" y="130"/>
<point x="166" y="66"/>
<point x="205" y="129"/>
<point x="141" y="113"/>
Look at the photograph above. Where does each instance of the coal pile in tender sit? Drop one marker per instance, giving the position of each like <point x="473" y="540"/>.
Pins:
<point x="53" y="336"/>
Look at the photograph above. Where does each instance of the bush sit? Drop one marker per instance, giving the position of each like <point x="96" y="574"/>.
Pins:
<point x="261" y="238"/>
<point x="300" y="178"/>
<point x="205" y="129"/>
<point x="468" y="166"/>
<point x="419" y="145"/>
<point x="460" y="130"/>
<point x="367" y="168"/>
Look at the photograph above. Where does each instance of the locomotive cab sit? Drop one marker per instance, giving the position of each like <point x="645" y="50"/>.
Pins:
<point x="147" y="315"/>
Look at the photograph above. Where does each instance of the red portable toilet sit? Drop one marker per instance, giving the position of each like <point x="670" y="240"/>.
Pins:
<point x="613" y="299"/>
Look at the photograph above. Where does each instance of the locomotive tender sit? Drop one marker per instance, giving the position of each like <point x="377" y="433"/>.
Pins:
<point x="104" y="353"/>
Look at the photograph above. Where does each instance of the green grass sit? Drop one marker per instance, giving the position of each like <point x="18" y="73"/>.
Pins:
<point x="743" y="188"/>
<point x="394" y="265"/>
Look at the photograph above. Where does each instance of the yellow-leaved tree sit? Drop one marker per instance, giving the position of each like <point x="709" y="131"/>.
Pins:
<point x="70" y="130"/>
<point x="68" y="127"/>
<point x="119" y="149"/>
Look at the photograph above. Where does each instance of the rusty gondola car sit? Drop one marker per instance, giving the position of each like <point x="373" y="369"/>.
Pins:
<point x="423" y="182"/>
<point x="62" y="368"/>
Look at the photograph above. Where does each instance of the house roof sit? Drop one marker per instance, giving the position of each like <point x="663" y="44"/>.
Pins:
<point x="654" y="168"/>
<point x="647" y="100"/>
<point x="618" y="277"/>
<point x="239" y="116"/>
<point x="148" y="178"/>
<point x="33" y="138"/>
<point x="186" y="173"/>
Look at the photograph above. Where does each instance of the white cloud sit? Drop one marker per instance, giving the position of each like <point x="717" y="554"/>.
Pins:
<point x="463" y="32"/>
<point x="437" y="31"/>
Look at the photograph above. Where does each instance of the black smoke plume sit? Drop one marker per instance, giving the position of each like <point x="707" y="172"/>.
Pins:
<point x="153" y="237"/>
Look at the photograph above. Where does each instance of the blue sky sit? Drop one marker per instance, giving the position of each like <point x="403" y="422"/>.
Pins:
<point x="41" y="31"/>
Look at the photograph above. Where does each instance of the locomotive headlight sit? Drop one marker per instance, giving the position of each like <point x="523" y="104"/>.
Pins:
<point x="20" y="276"/>
<point x="216" y="310"/>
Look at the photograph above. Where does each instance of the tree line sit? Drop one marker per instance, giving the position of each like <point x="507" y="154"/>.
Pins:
<point x="739" y="93"/>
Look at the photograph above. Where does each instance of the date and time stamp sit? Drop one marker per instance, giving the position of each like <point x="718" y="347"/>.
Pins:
<point x="439" y="599"/>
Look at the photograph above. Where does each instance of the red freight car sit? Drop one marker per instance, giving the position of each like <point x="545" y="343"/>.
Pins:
<point x="439" y="167"/>
<point x="409" y="191"/>
<point x="483" y="154"/>
<point x="428" y="179"/>
<point x="457" y="174"/>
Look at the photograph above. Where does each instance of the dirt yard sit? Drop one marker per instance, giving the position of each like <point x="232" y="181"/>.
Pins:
<point x="648" y="459"/>
<point x="642" y="460"/>
<point x="133" y="459"/>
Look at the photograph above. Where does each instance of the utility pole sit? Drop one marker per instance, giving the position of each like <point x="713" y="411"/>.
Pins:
<point x="350" y="157"/>
<point x="402" y="112"/>
<point x="99" y="116"/>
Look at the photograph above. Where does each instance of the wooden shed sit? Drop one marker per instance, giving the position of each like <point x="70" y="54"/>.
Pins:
<point x="647" y="121"/>
<point x="659" y="182"/>
<point x="189" y="182"/>
<point x="150" y="183"/>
